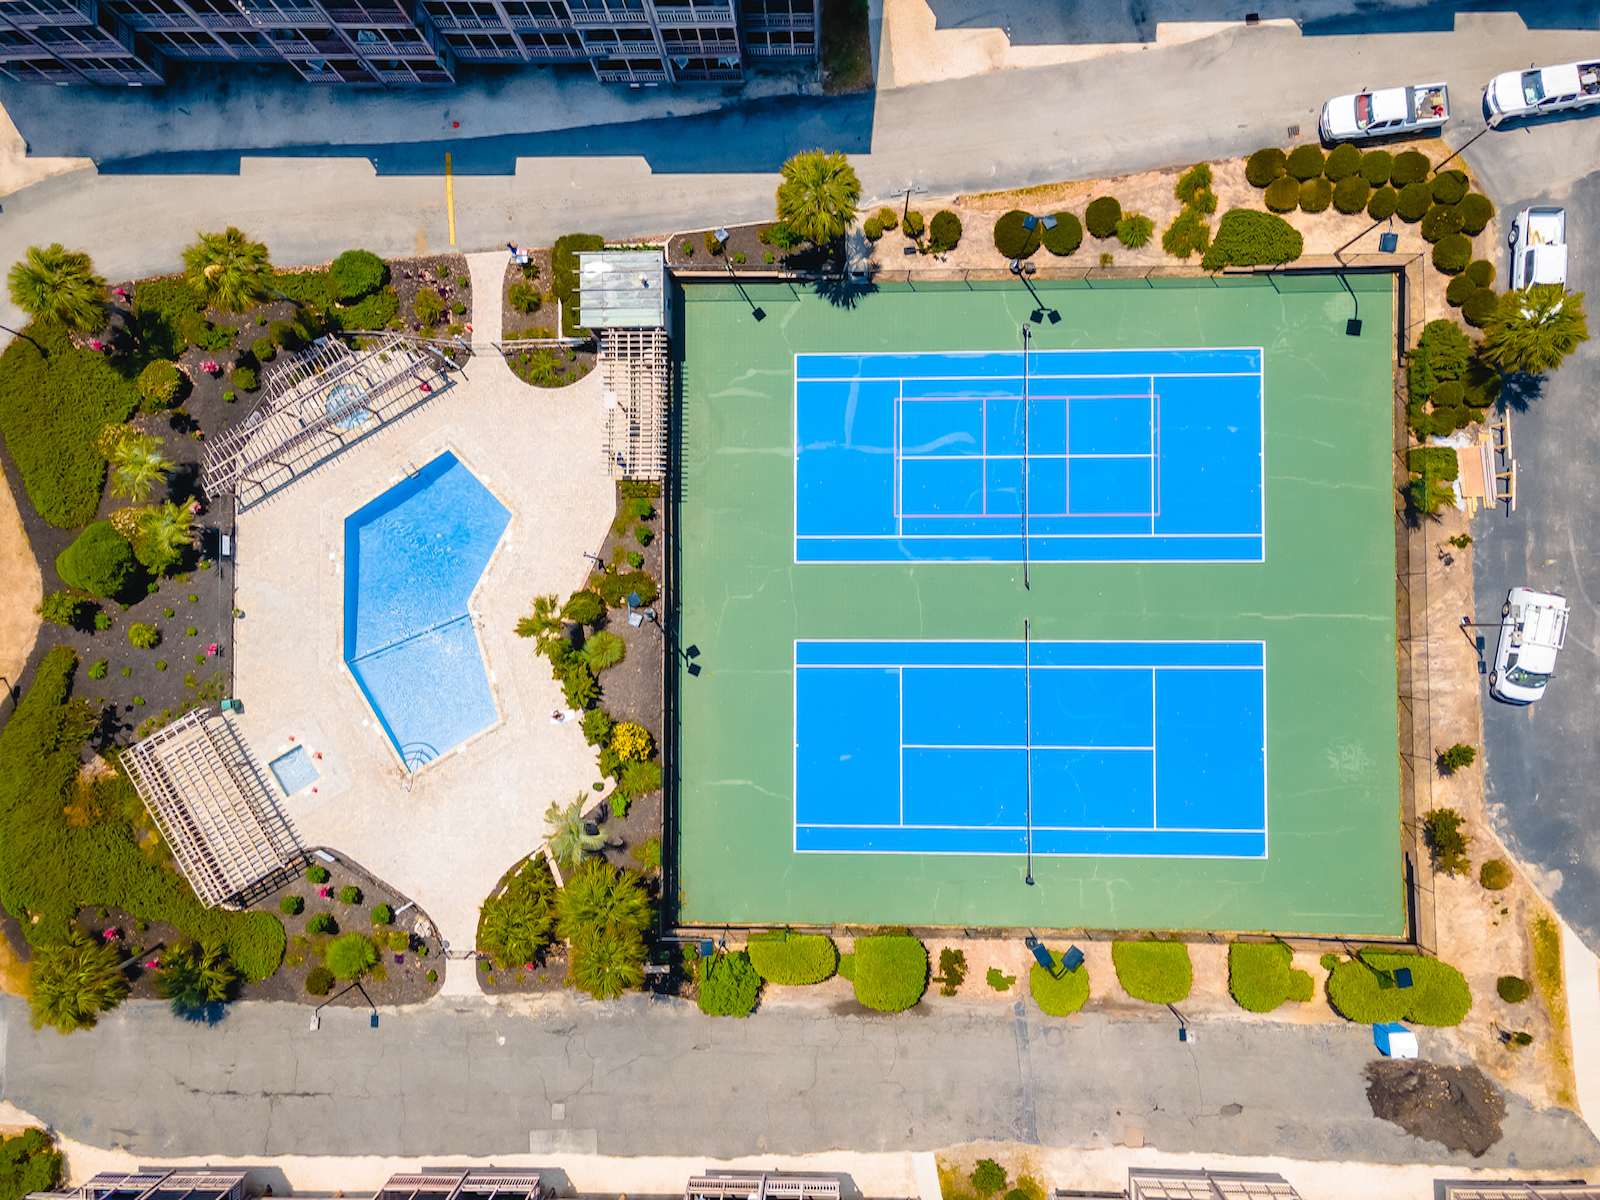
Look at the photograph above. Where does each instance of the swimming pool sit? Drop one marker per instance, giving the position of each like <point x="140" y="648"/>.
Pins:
<point x="412" y="557"/>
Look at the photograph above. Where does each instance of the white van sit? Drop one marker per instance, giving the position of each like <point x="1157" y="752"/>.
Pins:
<point x="1533" y="627"/>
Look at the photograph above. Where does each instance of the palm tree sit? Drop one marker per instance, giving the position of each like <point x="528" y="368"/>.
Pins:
<point x="599" y="896"/>
<point x="52" y="283"/>
<point x="570" y="842"/>
<point x="162" y="534"/>
<point x="74" y="981"/>
<point x="607" y="962"/>
<point x="818" y="196"/>
<point x="195" y="977"/>
<point x="228" y="269"/>
<point x="1534" y="329"/>
<point x="137" y="466"/>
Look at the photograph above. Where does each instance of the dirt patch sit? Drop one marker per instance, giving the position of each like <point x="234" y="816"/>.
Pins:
<point x="749" y="248"/>
<point x="1455" y="1106"/>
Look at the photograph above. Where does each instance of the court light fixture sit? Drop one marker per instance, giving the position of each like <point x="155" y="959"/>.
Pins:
<point x="720" y="233"/>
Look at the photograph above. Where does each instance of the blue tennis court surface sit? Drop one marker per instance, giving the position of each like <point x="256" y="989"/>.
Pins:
<point x="1153" y="749"/>
<point x="1067" y="455"/>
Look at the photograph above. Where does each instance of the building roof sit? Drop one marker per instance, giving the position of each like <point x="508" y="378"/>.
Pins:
<point x="622" y="289"/>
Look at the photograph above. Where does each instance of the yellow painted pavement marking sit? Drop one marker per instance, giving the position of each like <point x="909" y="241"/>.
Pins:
<point x="450" y="196"/>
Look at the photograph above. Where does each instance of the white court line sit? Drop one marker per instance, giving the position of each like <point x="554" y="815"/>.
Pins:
<point x="1008" y="378"/>
<point x="900" y="685"/>
<point x="1155" y="805"/>
<point x="1038" y="537"/>
<point x="1017" y="745"/>
<point x="1252" y="832"/>
<point x="1017" y="667"/>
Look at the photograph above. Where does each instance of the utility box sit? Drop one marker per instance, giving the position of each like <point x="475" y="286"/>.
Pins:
<point x="1394" y="1040"/>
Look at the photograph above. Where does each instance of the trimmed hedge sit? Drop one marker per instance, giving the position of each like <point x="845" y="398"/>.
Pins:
<point x="1480" y="307"/>
<point x="793" y="959"/>
<point x="1459" y="289"/>
<point x="1449" y="187"/>
<point x="1283" y="195"/>
<point x="1058" y="994"/>
<point x="1265" y="165"/>
<point x="1376" y="166"/>
<point x="1157" y="972"/>
<point x="1306" y="162"/>
<point x="1476" y="210"/>
<point x="1481" y="272"/>
<point x="99" y="561"/>
<point x="1452" y="254"/>
<point x="729" y="985"/>
<point x="1102" y="215"/>
<point x="1343" y="162"/>
<point x="1495" y="875"/>
<point x="1350" y="194"/>
<point x="1415" y="200"/>
<point x="1261" y="976"/>
<point x="1383" y="203"/>
<point x="1410" y="166"/>
<point x="1013" y="238"/>
<point x="355" y="274"/>
<point x="1440" y="222"/>
<point x="1247" y="238"/>
<point x="1067" y="235"/>
<point x="890" y="971"/>
<point x="1363" y="990"/>
<point x="564" y="277"/>
<point x="944" y="231"/>
<point x="159" y="385"/>
<point x="1513" y="989"/>
<point x="1315" y="195"/>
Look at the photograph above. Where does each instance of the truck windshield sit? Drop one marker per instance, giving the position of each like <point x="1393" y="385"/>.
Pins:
<point x="1530" y="679"/>
<point x="1532" y="87"/>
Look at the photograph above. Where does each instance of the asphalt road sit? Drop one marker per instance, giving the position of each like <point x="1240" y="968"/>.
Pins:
<point x="643" y="1078"/>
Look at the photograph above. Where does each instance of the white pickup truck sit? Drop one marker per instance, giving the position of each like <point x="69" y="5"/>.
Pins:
<point x="1540" y="90"/>
<point x="1533" y="627"/>
<point x="1385" y="111"/>
<point x="1538" y="240"/>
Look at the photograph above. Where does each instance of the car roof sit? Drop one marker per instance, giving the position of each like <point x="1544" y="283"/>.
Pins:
<point x="1561" y="81"/>
<point x="1389" y="104"/>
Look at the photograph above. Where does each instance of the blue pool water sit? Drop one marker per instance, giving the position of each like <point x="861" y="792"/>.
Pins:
<point x="294" y="770"/>
<point x="412" y="558"/>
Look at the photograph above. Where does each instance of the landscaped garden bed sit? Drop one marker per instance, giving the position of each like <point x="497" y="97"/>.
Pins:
<point x="755" y="249"/>
<point x="538" y="300"/>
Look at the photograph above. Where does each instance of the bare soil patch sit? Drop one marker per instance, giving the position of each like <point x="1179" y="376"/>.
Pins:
<point x="1455" y="1106"/>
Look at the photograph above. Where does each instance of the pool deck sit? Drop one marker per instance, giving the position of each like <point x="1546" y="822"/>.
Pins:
<point x="473" y="813"/>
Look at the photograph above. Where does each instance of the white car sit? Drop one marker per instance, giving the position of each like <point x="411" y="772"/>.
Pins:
<point x="1540" y="90"/>
<point x="1538" y="240"/>
<point x="1533" y="627"/>
<point x="1384" y="111"/>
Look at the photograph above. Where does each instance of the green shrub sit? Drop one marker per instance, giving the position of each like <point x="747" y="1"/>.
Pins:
<point x="1058" y="993"/>
<point x="143" y="637"/>
<point x="603" y="651"/>
<point x="1315" y="195"/>
<point x="1157" y="972"/>
<point x="1283" y="195"/>
<point x="100" y="562"/>
<point x="597" y="726"/>
<point x="428" y="306"/>
<point x="62" y="608"/>
<point x="1513" y="989"/>
<point x="286" y="334"/>
<point x="321" y="922"/>
<point x="952" y="970"/>
<point x="398" y="940"/>
<point x="1440" y="221"/>
<point x="1449" y="187"/>
<point x="1415" y="200"/>
<point x="355" y="274"/>
<point x="890" y="971"/>
<point x="319" y="981"/>
<point x="1452" y="253"/>
<point x="515" y="926"/>
<point x="350" y="956"/>
<point x="1189" y="233"/>
<point x="524" y="297"/>
<point x="1013" y="238"/>
<point x="243" y="378"/>
<point x="292" y="906"/>
<point x="1350" y="194"/>
<point x="1459" y="289"/>
<point x="1193" y="184"/>
<point x="1102" y="215"/>
<point x="913" y="225"/>
<point x="316" y="873"/>
<point x="1495" y="875"/>
<point x="1447" y="843"/>
<point x="159" y="385"/>
<point x="1246" y="238"/>
<point x="988" y="1177"/>
<point x="1344" y="161"/>
<point x="1480" y="307"/>
<point x="98" y="669"/>
<point x="640" y="778"/>
<point x="1135" y="230"/>
<point x="1457" y="757"/>
<point x="1476" y="210"/>
<point x="1306" y="162"/>
<point x="944" y="231"/>
<point x="1481" y="272"/>
<point x="377" y="311"/>
<point x="643" y="534"/>
<point x="1376" y="167"/>
<point x="648" y="853"/>
<point x="729" y="985"/>
<point x="999" y="980"/>
<point x="1410" y="166"/>
<point x="263" y="349"/>
<point x="614" y="587"/>
<point x="872" y="229"/>
<point x="583" y="608"/>
<point x="1262" y="975"/>
<point x="1363" y="990"/>
<point x="1266" y="165"/>
<point x="794" y="959"/>
<point x="29" y="1162"/>
<point x="1065" y="237"/>
<point x="349" y="894"/>
<point x="1385" y="200"/>
<point x="564" y="276"/>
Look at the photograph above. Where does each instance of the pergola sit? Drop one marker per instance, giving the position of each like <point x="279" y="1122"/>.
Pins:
<point x="624" y="296"/>
<point x="212" y="804"/>
<point x="325" y="398"/>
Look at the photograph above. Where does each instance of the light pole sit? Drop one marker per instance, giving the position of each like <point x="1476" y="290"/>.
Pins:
<point x="755" y="310"/>
<point x="316" y="1013"/>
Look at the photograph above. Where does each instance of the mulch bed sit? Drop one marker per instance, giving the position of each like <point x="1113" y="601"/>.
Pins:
<point x="757" y="256"/>
<point x="551" y="367"/>
<point x="446" y="274"/>
<point x="1455" y="1106"/>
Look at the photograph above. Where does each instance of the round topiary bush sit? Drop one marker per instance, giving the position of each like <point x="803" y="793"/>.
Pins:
<point x="1513" y="989"/>
<point x="1495" y="874"/>
<point x="1480" y="271"/>
<point x="99" y="561"/>
<point x="1306" y="162"/>
<point x="1449" y="187"/>
<point x="1460" y="288"/>
<point x="1013" y="238"/>
<point x="1476" y="210"/>
<point x="1102" y="215"/>
<point x="319" y="981"/>
<point x="1343" y="161"/>
<point x="1135" y="230"/>
<point x="1383" y="203"/>
<point x="1415" y="200"/>
<point x="292" y="906"/>
<point x="944" y="231"/>
<point x="356" y="273"/>
<point x="243" y="378"/>
<point x="1315" y="195"/>
<point x="1265" y="165"/>
<point x="890" y="971"/>
<point x="1480" y="307"/>
<point x="159" y="384"/>
<point x="1283" y="195"/>
<point x="1350" y="194"/>
<point x="1156" y="972"/>
<point x="1440" y="222"/>
<point x="1410" y="166"/>
<point x="872" y="229"/>
<point x="382" y="914"/>
<point x="1448" y="393"/>
<point x="1376" y="166"/>
<point x="1066" y="237"/>
<point x="1058" y="993"/>
<point x="350" y="956"/>
<point x="1452" y="254"/>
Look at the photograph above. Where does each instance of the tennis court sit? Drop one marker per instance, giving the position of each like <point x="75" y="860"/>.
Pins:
<point x="1031" y="748"/>
<point x="1049" y="455"/>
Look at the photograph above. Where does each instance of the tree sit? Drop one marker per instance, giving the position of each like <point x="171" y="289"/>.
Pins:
<point x="162" y="534"/>
<point x="137" y="467"/>
<point x="1456" y="757"/>
<point x="607" y="962"/>
<point x="74" y="981"/>
<point x="52" y="283"/>
<point x="1447" y="843"/>
<point x="29" y="1162"/>
<point x="194" y="977"/>
<point x="1534" y="329"/>
<point x="570" y="842"/>
<point x="818" y="196"/>
<point x="515" y="927"/>
<point x="228" y="269"/>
